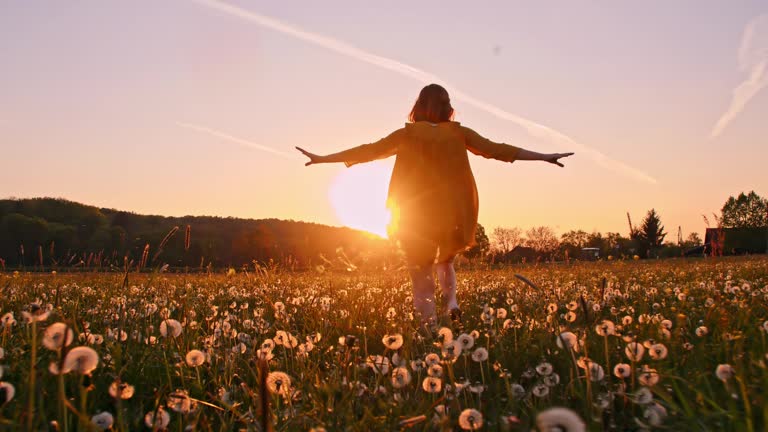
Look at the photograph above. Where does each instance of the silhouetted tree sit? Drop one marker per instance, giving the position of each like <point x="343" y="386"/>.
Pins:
<point x="651" y="233"/>
<point x="572" y="242"/>
<point x="745" y="211"/>
<point x="506" y="239"/>
<point x="542" y="239"/>
<point x="692" y="241"/>
<point x="482" y="244"/>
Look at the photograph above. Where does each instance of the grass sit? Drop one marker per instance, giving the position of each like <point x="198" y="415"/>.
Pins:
<point x="324" y="331"/>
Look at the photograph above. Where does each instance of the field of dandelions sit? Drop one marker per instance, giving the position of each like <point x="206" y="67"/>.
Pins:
<point x="617" y="345"/>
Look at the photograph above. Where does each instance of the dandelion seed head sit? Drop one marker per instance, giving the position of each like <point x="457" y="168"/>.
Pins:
<point x="470" y="419"/>
<point x="103" y="421"/>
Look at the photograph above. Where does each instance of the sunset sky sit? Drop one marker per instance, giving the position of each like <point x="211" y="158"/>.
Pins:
<point x="194" y="107"/>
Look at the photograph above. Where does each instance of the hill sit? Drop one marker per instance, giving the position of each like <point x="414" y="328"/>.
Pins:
<point x="66" y="233"/>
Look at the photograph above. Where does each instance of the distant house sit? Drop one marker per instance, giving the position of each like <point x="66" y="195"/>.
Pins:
<point x="735" y="241"/>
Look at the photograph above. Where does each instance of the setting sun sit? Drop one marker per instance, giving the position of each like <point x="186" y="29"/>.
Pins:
<point x="358" y="195"/>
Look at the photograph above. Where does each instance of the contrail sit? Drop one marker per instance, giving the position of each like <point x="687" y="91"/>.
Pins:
<point x="753" y="59"/>
<point x="234" y="139"/>
<point x="535" y="129"/>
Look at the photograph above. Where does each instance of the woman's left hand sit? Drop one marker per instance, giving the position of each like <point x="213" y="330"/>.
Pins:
<point x="554" y="158"/>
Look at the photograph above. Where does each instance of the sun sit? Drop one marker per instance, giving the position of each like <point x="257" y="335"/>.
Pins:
<point x="358" y="195"/>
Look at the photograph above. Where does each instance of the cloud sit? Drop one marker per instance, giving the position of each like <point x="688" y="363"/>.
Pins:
<point x="753" y="60"/>
<point x="236" y="140"/>
<point x="535" y="129"/>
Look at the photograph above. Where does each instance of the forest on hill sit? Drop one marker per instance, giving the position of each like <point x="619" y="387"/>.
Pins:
<point x="61" y="233"/>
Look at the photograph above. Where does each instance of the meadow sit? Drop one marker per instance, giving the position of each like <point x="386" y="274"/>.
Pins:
<point x="612" y="345"/>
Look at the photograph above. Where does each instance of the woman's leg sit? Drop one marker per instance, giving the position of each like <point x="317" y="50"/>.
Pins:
<point x="447" y="277"/>
<point x="423" y="293"/>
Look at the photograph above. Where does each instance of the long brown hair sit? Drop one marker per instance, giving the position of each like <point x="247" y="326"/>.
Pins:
<point x="433" y="105"/>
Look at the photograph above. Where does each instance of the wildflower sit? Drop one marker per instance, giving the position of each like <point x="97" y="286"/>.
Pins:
<point x="8" y="320"/>
<point x="278" y="383"/>
<point x="401" y="377"/>
<point x="544" y="369"/>
<point x="702" y="331"/>
<point x="540" y="390"/>
<point x="518" y="391"/>
<point x="393" y="342"/>
<point x="480" y="355"/>
<point x="648" y="377"/>
<point x="667" y="324"/>
<point x="605" y="328"/>
<point x="658" y="351"/>
<point x="180" y="402"/>
<point x="622" y="370"/>
<point x="7" y="391"/>
<point x="724" y="372"/>
<point x="559" y="419"/>
<point x="103" y="421"/>
<point x="53" y="336"/>
<point x="121" y="390"/>
<point x="466" y="341"/>
<point x="36" y="313"/>
<point x="501" y="313"/>
<point x="552" y="307"/>
<point x="643" y="396"/>
<point x="445" y="335"/>
<point x="451" y="351"/>
<point x="596" y="372"/>
<point x="158" y="419"/>
<point x="82" y="360"/>
<point x="627" y="320"/>
<point x="281" y="337"/>
<point x="432" y="384"/>
<point x="432" y="359"/>
<point x="551" y="380"/>
<point x="379" y="364"/>
<point x="268" y="345"/>
<point x="435" y="370"/>
<point x="470" y="419"/>
<point x="170" y="327"/>
<point x="195" y="358"/>
<point x="570" y="316"/>
<point x="655" y="414"/>
<point x="569" y="340"/>
<point x="634" y="351"/>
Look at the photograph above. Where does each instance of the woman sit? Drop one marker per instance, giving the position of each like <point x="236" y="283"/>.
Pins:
<point x="432" y="192"/>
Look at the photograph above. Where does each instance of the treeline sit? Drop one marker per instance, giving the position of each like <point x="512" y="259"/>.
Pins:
<point x="542" y="243"/>
<point x="60" y="233"/>
<point x="741" y="227"/>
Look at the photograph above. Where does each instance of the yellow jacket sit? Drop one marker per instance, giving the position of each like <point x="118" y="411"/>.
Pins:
<point x="432" y="192"/>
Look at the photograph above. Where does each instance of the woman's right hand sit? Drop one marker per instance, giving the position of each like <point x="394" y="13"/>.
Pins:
<point x="313" y="158"/>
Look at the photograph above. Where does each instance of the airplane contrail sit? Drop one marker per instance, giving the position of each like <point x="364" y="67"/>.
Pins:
<point x="753" y="60"/>
<point x="237" y="140"/>
<point x="533" y="128"/>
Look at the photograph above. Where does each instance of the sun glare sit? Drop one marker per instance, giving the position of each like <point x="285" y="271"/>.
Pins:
<point x="358" y="195"/>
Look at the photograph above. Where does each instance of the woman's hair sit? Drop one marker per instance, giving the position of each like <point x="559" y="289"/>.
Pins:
<point x="433" y="105"/>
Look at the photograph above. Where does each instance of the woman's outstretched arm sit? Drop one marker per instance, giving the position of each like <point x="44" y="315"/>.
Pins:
<point x="380" y="149"/>
<point x="482" y="146"/>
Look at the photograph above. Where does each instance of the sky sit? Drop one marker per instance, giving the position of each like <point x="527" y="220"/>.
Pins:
<point x="193" y="107"/>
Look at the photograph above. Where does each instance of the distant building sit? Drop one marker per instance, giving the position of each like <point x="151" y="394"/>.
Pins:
<point x="735" y="241"/>
<point x="590" y="254"/>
